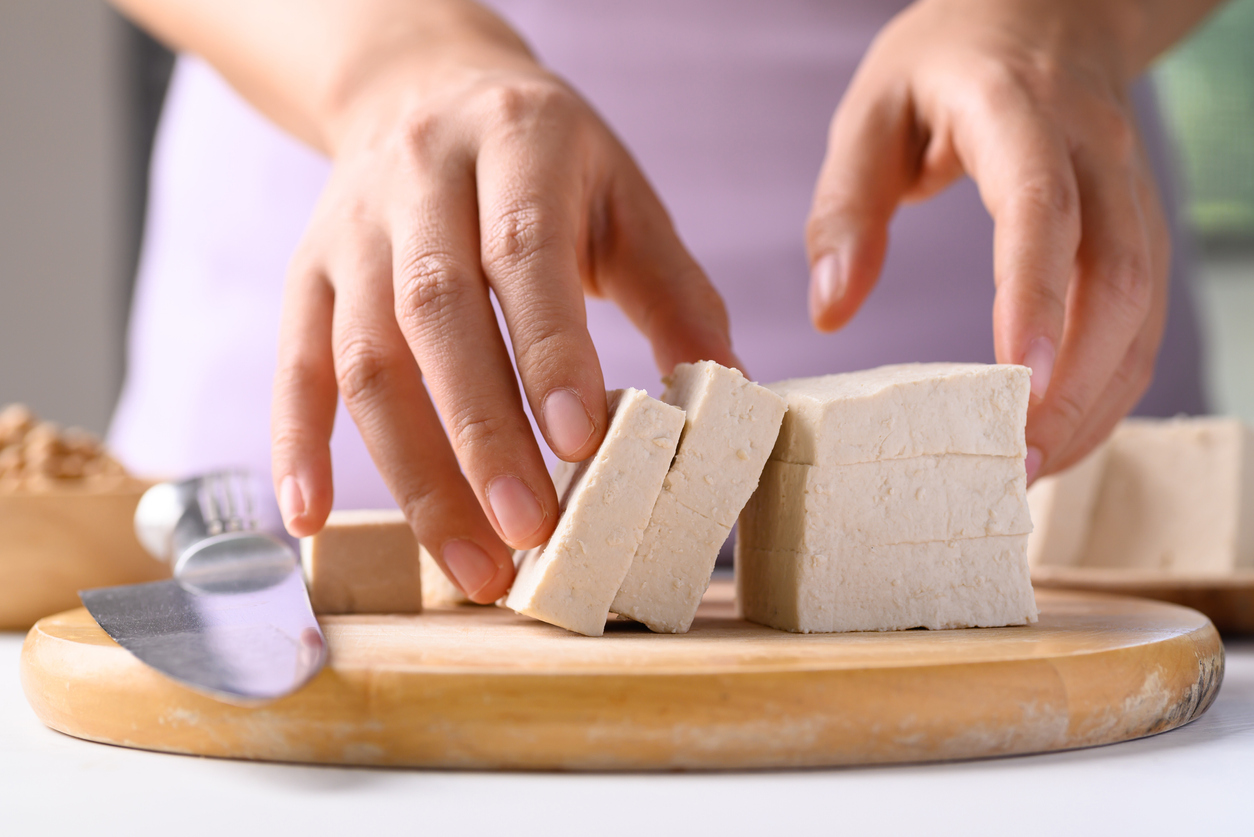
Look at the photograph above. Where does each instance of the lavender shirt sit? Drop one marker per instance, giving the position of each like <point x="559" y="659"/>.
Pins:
<point x="725" y="105"/>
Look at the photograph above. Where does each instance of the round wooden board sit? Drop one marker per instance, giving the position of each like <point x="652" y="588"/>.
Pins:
<point x="474" y="687"/>
<point x="1227" y="600"/>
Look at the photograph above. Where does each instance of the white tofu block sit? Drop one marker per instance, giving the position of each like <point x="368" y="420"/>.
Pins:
<point x="1062" y="511"/>
<point x="606" y="502"/>
<point x="800" y="508"/>
<point x="363" y="561"/>
<point x="895" y="412"/>
<point x="730" y="426"/>
<point x="437" y="590"/>
<point x="1178" y="495"/>
<point x="981" y="582"/>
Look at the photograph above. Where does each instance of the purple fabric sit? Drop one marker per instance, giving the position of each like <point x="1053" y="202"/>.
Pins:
<point x="726" y="106"/>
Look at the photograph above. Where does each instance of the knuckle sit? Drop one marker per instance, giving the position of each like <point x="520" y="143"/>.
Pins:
<point x="288" y="441"/>
<point x="423" y="501"/>
<point x="300" y="375"/>
<point x="542" y="344"/>
<point x="516" y="234"/>
<point x="523" y="102"/>
<point x="1052" y="193"/>
<point x="1127" y="286"/>
<point x="430" y="293"/>
<point x="1068" y="409"/>
<point x="419" y="128"/>
<point x="362" y="370"/>
<point x="474" y="424"/>
<point x="834" y="212"/>
<point x="999" y="85"/>
<point x="418" y="134"/>
<point x="1031" y="293"/>
<point x="1117" y="132"/>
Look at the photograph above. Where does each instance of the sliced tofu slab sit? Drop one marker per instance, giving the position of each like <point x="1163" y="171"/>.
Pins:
<point x="894" y="412"/>
<point x="1177" y="495"/>
<point x="800" y="508"/>
<point x="1062" y="511"/>
<point x="982" y="582"/>
<point x="729" y="429"/>
<point x="363" y="562"/>
<point x="606" y="502"/>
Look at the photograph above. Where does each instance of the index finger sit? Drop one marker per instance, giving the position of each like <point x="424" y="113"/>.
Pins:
<point x="1022" y="167"/>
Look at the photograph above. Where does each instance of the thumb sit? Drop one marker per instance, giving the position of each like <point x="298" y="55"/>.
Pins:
<point x="869" y="166"/>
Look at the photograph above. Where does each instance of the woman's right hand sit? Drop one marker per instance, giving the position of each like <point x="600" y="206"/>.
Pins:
<point x="462" y="167"/>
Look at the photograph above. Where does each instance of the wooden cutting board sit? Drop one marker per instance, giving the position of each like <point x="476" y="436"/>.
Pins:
<point x="472" y="687"/>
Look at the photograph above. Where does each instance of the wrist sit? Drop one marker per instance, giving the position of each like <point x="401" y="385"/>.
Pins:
<point x="382" y="78"/>
<point x="1118" y="38"/>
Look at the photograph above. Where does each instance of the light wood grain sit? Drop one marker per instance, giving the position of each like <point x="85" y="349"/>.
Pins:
<point x="485" y="688"/>
<point x="55" y="543"/>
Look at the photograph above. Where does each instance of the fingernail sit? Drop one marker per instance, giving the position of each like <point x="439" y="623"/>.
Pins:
<point x="1040" y="359"/>
<point x="566" y="422"/>
<point x="291" y="501"/>
<point x="1032" y="463"/>
<point x="471" y="567"/>
<point x="828" y="280"/>
<point x="517" y="511"/>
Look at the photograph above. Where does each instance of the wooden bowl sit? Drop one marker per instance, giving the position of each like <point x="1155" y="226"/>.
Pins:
<point x="54" y="543"/>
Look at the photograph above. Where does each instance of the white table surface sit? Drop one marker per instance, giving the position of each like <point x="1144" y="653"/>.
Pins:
<point x="1198" y="780"/>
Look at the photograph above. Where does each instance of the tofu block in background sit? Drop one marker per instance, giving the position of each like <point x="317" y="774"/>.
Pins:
<point x="1062" y="511"/>
<point x="363" y="562"/>
<point x="605" y="502"/>
<point x="895" y="412"/>
<point x="730" y="427"/>
<point x="981" y="582"/>
<point x="800" y="508"/>
<point x="1177" y="495"/>
<point x="437" y="590"/>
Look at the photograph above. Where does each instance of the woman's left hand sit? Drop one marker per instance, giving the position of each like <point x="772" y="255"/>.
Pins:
<point x="1030" y="100"/>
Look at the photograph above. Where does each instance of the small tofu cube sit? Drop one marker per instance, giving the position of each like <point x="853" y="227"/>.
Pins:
<point x="363" y="562"/>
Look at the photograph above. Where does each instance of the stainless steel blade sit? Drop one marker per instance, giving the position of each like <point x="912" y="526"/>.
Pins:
<point x="235" y="622"/>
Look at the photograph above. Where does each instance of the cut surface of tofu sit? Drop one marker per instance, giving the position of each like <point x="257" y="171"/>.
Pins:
<point x="730" y="427"/>
<point x="800" y="508"/>
<point x="1062" y="511"/>
<point x="1177" y="495"/>
<point x="895" y="412"/>
<point x="981" y="582"/>
<point x="363" y="562"/>
<point x="606" y="502"/>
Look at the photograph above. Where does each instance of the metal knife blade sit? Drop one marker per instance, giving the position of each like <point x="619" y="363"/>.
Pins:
<point x="235" y="622"/>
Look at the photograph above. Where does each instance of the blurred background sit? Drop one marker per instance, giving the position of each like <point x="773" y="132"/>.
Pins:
<point x="80" y="93"/>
